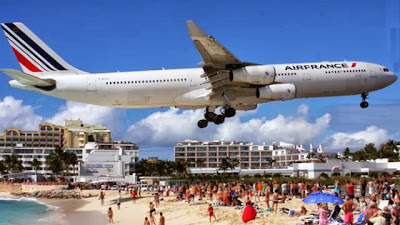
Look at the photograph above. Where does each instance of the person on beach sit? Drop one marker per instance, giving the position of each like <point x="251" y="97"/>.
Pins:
<point x="101" y="197"/>
<point x="119" y="201"/>
<point x="152" y="219"/>
<point x="323" y="213"/>
<point x="152" y="209"/>
<point x="133" y="197"/>
<point x="162" y="219"/>
<point x="157" y="199"/>
<point x="350" y="190"/>
<point x="211" y="212"/>
<point x="275" y="200"/>
<point x="146" y="221"/>
<point x="267" y="193"/>
<point x="110" y="216"/>
<point x="379" y="219"/>
<point x="348" y="207"/>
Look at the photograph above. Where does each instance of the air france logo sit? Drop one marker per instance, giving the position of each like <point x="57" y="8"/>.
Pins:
<point x="320" y="66"/>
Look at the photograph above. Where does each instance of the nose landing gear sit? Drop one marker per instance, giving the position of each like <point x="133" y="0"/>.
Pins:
<point x="210" y="116"/>
<point x="364" y="104"/>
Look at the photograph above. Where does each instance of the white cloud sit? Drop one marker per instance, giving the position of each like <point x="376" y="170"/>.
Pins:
<point x="14" y="114"/>
<point x="303" y="109"/>
<point x="90" y="114"/>
<point x="356" y="140"/>
<point x="166" y="128"/>
<point x="289" y="129"/>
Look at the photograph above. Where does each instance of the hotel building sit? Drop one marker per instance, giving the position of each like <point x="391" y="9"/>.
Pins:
<point x="250" y="155"/>
<point x="29" y="145"/>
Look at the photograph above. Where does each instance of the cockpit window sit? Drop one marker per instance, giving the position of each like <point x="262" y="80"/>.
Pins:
<point x="385" y="69"/>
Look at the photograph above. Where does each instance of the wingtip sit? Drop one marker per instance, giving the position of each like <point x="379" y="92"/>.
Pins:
<point x="194" y="30"/>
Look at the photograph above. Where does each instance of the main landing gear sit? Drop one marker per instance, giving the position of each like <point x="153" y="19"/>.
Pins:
<point x="209" y="116"/>
<point x="364" y="104"/>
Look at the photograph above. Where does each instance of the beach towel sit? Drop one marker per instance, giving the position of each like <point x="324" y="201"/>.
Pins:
<point x="249" y="214"/>
<point x="383" y="203"/>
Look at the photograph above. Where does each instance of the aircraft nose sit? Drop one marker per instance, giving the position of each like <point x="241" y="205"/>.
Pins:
<point x="392" y="79"/>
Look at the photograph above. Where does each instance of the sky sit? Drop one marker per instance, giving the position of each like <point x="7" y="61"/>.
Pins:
<point x="107" y="36"/>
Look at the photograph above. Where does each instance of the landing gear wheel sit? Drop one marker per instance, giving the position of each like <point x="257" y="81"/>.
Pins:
<point x="364" y="105"/>
<point x="209" y="116"/>
<point x="202" y="123"/>
<point x="230" y="112"/>
<point x="218" y="119"/>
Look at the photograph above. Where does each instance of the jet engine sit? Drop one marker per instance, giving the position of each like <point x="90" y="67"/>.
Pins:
<point x="277" y="92"/>
<point x="258" y="75"/>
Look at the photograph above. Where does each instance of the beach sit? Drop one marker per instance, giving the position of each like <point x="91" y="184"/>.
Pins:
<point x="89" y="211"/>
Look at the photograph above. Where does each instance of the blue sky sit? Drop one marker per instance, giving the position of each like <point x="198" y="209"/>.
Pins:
<point x="105" y="36"/>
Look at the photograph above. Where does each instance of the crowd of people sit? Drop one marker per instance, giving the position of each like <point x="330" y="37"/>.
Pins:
<point x="365" y="199"/>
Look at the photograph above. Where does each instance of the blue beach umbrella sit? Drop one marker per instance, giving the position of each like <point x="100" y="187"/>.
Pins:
<point x="318" y="197"/>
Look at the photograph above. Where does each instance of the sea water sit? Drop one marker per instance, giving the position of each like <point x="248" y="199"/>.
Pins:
<point x="22" y="211"/>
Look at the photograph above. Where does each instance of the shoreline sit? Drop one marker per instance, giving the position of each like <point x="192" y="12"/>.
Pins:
<point x="67" y="211"/>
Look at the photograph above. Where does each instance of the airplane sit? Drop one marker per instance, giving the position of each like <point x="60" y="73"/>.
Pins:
<point x="224" y="82"/>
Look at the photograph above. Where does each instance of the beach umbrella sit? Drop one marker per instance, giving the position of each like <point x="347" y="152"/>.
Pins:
<point x="318" y="197"/>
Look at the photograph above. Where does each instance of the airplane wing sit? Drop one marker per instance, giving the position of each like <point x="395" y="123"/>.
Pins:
<point x="218" y="61"/>
<point x="28" y="79"/>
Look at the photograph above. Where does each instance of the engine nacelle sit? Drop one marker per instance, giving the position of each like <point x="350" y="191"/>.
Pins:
<point x="277" y="92"/>
<point x="259" y="75"/>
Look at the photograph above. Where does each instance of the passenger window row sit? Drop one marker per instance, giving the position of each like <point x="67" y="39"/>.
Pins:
<point x="286" y="74"/>
<point x="146" y="81"/>
<point x="345" y="71"/>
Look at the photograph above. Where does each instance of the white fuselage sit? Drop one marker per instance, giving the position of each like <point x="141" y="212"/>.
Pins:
<point x="185" y="88"/>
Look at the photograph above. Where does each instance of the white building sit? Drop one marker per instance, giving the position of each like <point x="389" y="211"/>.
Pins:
<point x="27" y="154"/>
<point x="315" y="169"/>
<point x="108" y="161"/>
<point x="251" y="156"/>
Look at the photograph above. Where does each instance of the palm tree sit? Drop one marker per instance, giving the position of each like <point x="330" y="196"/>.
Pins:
<point x="233" y="163"/>
<point x="13" y="164"/>
<point x="55" y="162"/>
<point x="271" y="162"/>
<point x="69" y="158"/>
<point x="225" y="164"/>
<point x="2" y="167"/>
<point x="35" y="164"/>
<point x="200" y="163"/>
<point x="181" y="167"/>
<point x="311" y="155"/>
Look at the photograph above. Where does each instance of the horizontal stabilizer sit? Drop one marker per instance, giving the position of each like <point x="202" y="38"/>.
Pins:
<point x="27" y="79"/>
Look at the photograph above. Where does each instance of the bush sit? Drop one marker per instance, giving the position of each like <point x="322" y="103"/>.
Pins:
<point x="257" y="176"/>
<point x="324" y="176"/>
<point x="335" y="174"/>
<point x="277" y="175"/>
<point x="397" y="172"/>
<point x="373" y="174"/>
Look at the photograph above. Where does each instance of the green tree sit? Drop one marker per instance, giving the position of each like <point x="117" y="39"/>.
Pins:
<point x="69" y="159"/>
<point x="225" y="164"/>
<point x="324" y="176"/>
<point x="13" y="165"/>
<point x="200" y="163"/>
<point x="2" y="167"/>
<point x="271" y="162"/>
<point x="346" y="153"/>
<point x="55" y="162"/>
<point x="370" y="148"/>
<point x="335" y="174"/>
<point x="311" y="155"/>
<point x="35" y="164"/>
<point x="181" y="167"/>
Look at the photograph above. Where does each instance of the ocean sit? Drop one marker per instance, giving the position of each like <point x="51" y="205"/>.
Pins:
<point x="24" y="211"/>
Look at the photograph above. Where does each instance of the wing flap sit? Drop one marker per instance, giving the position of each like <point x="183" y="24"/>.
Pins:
<point x="27" y="79"/>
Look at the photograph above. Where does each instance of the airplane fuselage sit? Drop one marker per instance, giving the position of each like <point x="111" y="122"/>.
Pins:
<point x="185" y="88"/>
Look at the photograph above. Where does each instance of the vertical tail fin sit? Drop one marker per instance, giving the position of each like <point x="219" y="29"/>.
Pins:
<point x="34" y="56"/>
